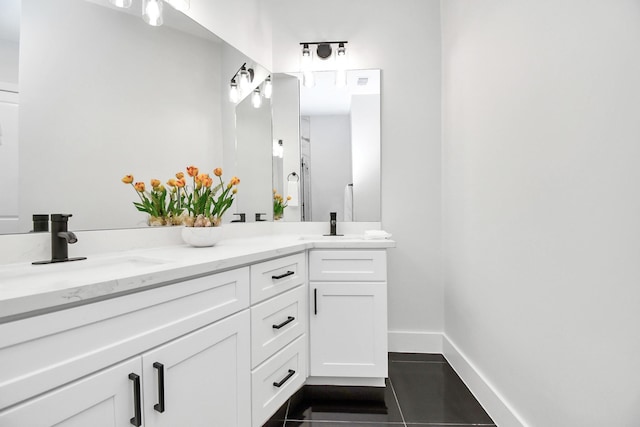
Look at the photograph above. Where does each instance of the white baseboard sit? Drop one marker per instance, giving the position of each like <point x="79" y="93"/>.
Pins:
<point x="414" y="342"/>
<point x="495" y="405"/>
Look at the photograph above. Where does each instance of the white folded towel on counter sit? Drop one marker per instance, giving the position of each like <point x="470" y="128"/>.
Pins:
<point x="376" y="235"/>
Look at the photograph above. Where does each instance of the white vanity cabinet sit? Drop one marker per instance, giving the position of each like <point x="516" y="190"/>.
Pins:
<point x="278" y="333"/>
<point x="348" y="317"/>
<point x="175" y="355"/>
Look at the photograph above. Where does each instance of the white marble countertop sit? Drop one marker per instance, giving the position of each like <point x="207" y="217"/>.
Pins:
<point x="27" y="289"/>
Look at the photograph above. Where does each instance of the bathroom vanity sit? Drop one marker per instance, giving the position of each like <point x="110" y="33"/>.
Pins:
<point x="182" y="336"/>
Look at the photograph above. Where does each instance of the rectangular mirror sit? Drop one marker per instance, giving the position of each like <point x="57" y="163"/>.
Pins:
<point x="100" y="94"/>
<point x="327" y="146"/>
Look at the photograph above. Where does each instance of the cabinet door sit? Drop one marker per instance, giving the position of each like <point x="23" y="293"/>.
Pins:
<point x="204" y="377"/>
<point x="104" y="399"/>
<point x="348" y="329"/>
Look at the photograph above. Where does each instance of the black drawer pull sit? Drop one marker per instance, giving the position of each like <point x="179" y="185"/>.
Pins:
<point x="315" y="301"/>
<point x="282" y="276"/>
<point x="286" y="322"/>
<point x="137" y="419"/>
<point x="284" y="380"/>
<point x="160" y="405"/>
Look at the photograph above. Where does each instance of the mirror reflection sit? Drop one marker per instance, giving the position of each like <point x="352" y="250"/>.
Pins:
<point x="330" y="139"/>
<point x="100" y="94"/>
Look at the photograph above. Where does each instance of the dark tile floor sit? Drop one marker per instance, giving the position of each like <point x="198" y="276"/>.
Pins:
<point x="422" y="390"/>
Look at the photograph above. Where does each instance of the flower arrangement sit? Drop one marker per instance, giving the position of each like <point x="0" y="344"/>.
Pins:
<point x="162" y="210"/>
<point x="279" y="203"/>
<point x="199" y="205"/>
<point x="204" y="205"/>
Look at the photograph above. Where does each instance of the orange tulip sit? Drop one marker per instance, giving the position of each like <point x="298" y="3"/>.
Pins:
<point x="217" y="171"/>
<point x="234" y="191"/>
<point x="288" y="197"/>
<point x="172" y="182"/>
<point x="234" y="181"/>
<point x="128" y="179"/>
<point x="181" y="182"/>
<point x="155" y="183"/>
<point x="192" y="171"/>
<point x="139" y="186"/>
<point x="180" y="175"/>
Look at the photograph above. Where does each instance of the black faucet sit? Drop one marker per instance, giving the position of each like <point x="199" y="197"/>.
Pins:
<point x="333" y="222"/>
<point x="61" y="237"/>
<point x="243" y="217"/>
<point x="259" y="217"/>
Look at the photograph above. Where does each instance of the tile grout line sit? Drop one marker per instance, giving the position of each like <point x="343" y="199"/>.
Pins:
<point x="395" y="396"/>
<point x="286" y="413"/>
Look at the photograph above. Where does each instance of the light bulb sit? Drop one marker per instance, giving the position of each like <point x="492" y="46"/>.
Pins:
<point x="256" y="99"/>
<point x="152" y="12"/>
<point x="244" y="79"/>
<point x="268" y="88"/>
<point x="306" y="59"/>
<point x="234" y="96"/>
<point x="123" y="4"/>
<point x="308" y="79"/>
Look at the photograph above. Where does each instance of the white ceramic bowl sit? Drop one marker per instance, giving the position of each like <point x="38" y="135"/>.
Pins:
<point x="201" y="236"/>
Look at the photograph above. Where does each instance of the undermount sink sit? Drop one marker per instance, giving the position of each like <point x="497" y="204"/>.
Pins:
<point x="92" y="266"/>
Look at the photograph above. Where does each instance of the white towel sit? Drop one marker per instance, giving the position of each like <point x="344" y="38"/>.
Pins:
<point x="292" y="190"/>
<point x="376" y="234"/>
<point x="348" y="203"/>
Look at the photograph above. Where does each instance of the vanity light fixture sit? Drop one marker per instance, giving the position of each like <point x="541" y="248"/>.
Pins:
<point x="278" y="148"/>
<point x="324" y="51"/>
<point x="234" y="94"/>
<point x="245" y="78"/>
<point x="152" y="12"/>
<point x="256" y="98"/>
<point x="122" y="4"/>
<point x="267" y="90"/>
<point x="240" y="83"/>
<point x="341" y="66"/>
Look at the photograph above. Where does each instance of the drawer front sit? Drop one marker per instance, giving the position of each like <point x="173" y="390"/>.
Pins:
<point x="276" y="322"/>
<point x="43" y="352"/>
<point x="348" y="265"/>
<point x="287" y="369"/>
<point x="273" y="277"/>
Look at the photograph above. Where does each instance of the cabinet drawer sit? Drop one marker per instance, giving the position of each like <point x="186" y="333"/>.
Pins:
<point x="270" y="278"/>
<point x="348" y="265"/>
<point x="288" y="369"/>
<point x="276" y="322"/>
<point x="43" y="352"/>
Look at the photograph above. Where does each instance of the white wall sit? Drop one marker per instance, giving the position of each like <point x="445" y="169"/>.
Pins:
<point x="365" y="147"/>
<point x="330" y="164"/>
<point x="78" y="135"/>
<point x="541" y="103"/>
<point x="397" y="37"/>
<point x="244" y="24"/>
<point x="9" y="61"/>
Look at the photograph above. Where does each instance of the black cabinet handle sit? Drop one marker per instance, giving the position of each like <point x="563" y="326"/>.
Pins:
<point x="284" y="380"/>
<point x="137" y="419"/>
<point x="160" y="405"/>
<point x="286" y="322"/>
<point x="282" y="276"/>
<point x="315" y="301"/>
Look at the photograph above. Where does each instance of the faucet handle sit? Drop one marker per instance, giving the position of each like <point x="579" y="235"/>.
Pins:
<point x="259" y="217"/>
<point x="60" y="217"/>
